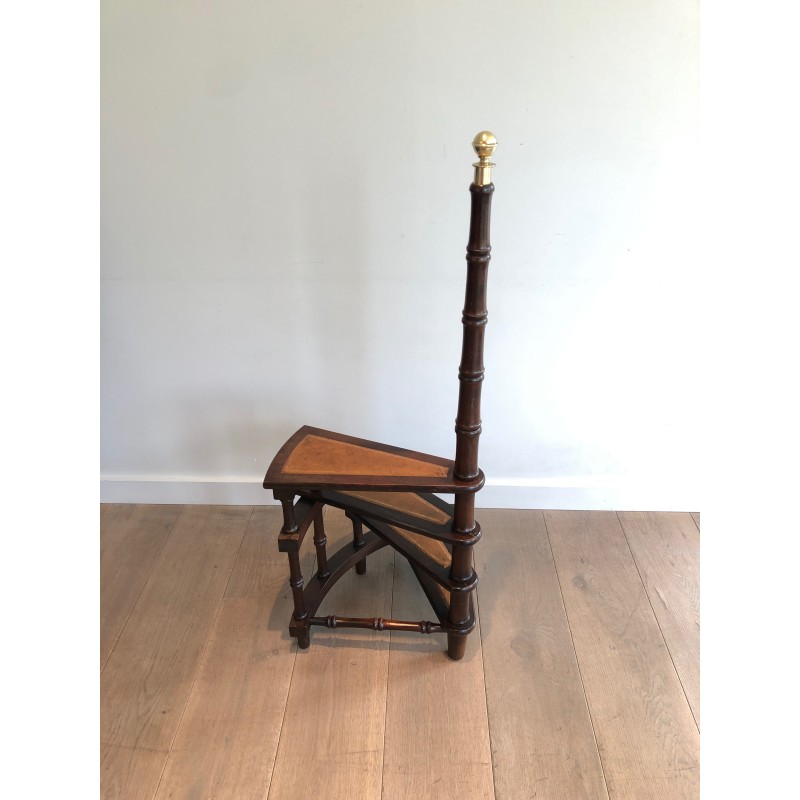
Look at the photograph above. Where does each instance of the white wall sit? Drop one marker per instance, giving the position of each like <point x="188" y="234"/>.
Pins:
<point x="285" y="212"/>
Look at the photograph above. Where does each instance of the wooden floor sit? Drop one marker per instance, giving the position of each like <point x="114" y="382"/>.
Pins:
<point x="581" y="680"/>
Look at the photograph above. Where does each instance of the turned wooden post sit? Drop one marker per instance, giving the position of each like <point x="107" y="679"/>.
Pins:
<point x="470" y="376"/>
<point x="358" y="543"/>
<point x="320" y="541"/>
<point x="295" y="573"/>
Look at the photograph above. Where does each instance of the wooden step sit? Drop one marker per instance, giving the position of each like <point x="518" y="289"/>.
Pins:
<point x="314" y="459"/>
<point x="416" y="511"/>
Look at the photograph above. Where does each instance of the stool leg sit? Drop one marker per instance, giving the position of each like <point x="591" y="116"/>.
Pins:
<point x="300" y="613"/>
<point x="456" y="646"/>
<point x="296" y="582"/>
<point x="320" y="540"/>
<point x="460" y="571"/>
<point x="459" y="602"/>
<point x="295" y="573"/>
<point x="358" y="542"/>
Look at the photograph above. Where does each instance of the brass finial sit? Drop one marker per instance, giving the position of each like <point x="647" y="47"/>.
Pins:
<point x="483" y="145"/>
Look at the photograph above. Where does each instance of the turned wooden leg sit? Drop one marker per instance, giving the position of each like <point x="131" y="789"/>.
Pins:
<point x="358" y="542"/>
<point x="460" y="572"/>
<point x="298" y="626"/>
<point x="296" y="582"/>
<point x="320" y="541"/>
<point x="456" y="646"/>
<point x="459" y="602"/>
<point x="295" y="577"/>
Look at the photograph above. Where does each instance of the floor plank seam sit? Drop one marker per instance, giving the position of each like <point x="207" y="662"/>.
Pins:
<point x="203" y="655"/>
<point x="388" y="671"/>
<point x="486" y="697"/>
<point x="288" y="692"/>
<point x="141" y="591"/>
<point x="577" y="660"/>
<point x="658" y="623"/>
<point x="283" y="720"/>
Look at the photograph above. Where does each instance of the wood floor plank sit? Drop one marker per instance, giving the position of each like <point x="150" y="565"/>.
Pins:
<point x="227" y="740"/>
<point x="543" y="744"/>
<point x="647" y="737"/>
<point x="696" y="518"/>
<point x="131" y="537"/>
<point x="666" y="547"/>
<point x="437" y="742"/>
<point x="130" y="773"/>
<point x="331" y="742"/>
<point x="148" y="677"/>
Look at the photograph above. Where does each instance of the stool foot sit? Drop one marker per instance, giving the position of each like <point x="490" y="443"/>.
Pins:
<point x="304" y="640"/>
<point x="361" y="567"/>
<point x="456" y="646"/>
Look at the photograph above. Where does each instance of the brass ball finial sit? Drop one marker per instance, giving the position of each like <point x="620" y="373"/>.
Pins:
<point x="484" y="145"/>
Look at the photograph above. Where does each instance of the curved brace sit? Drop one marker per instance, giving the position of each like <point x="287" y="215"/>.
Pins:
<point x="339" y="564"/>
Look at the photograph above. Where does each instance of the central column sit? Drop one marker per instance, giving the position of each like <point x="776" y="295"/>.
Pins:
<point x="470" y="376"/>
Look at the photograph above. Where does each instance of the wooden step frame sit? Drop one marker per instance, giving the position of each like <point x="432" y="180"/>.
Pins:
<point x="434" y="577"/>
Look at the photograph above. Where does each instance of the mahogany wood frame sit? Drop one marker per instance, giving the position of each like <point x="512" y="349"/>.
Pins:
<point x="385" y="526"/>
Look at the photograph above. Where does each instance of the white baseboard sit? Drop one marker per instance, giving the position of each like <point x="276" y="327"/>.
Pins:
<point x="191" y="491"/>
<point x="575" y="494"/>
